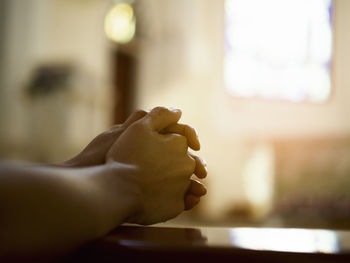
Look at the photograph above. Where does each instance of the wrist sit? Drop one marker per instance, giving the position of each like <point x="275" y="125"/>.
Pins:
<point x="117" y="193"/>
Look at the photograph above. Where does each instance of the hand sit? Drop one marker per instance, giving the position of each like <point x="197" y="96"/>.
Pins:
<point x="95" y="152"/>
<point x="196" y="188"/>
<point x="162" y="162"/>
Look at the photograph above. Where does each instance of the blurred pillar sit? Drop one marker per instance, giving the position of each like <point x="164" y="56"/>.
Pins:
<point x="124" y="85"/>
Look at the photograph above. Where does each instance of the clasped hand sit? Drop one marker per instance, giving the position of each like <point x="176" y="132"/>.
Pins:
<point x="153" y="147"/>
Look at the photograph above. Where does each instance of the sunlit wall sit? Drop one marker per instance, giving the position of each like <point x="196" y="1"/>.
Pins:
<point x="53" y="34"/>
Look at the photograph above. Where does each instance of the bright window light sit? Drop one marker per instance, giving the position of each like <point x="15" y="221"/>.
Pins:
<point x="287" y="239"/>
<point x="278" y="49"/>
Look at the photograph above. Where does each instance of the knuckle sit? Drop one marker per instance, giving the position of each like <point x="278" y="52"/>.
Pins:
<point x="189" y="128"/>
<point x="159" y="109"/>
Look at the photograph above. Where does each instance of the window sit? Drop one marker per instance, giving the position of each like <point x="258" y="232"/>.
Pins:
<point x="278" y="49"/>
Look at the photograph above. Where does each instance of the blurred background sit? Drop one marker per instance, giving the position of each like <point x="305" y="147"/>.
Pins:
<point x="266" y="84"/>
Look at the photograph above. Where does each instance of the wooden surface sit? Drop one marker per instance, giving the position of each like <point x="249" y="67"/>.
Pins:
<point x="174" y="244"/>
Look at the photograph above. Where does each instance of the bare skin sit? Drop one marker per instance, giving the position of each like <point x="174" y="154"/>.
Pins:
<point x="138" y="172"/>
<point x="95" y="153"/>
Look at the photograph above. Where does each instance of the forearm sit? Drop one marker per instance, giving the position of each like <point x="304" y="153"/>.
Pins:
<point x="53" y="210"/>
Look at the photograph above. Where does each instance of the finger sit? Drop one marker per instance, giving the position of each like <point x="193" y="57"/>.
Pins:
<point x="135" y="116"/>
<point x="196" y="188"/>
<point x="191" y="201"/>
<point x="111" y="132"/>
<point x="160" y="117"/>
<point x="117" y="129"/>
<point x="187" y="131"/>
<point x="201" y="166"/>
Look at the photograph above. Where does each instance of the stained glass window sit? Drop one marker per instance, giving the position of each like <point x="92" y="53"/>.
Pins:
<point x="278" y="49"/>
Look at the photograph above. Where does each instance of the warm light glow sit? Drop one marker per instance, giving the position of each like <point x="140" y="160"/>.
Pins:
<point x="278" y="49"/>
<point x="120" y="23"/>
<point x="258" y="175"/>
<point x="292" y="240"/>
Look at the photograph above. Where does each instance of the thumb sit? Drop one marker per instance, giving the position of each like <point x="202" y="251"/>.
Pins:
<point x="160" y="117"/>
<point x="137" y="115"/>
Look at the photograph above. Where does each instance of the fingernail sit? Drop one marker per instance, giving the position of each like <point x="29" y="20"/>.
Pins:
<point x="205" y="163"/>
<point x="174" y="109"/>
